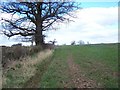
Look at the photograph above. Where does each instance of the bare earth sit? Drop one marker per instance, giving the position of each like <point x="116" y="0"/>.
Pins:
<point x="79" y="80"/>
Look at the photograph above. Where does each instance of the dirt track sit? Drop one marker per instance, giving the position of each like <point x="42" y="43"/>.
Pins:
<point x="79" y="80"/>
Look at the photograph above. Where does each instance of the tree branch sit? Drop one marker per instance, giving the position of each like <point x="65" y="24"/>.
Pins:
<point x="15" y="26"/>
<point x="10" y="34"/>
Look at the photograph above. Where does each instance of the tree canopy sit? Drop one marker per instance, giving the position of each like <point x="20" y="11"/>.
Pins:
<point x="35" y="17"/>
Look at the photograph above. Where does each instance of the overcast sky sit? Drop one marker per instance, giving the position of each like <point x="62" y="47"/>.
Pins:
<point x="97" y="22"/>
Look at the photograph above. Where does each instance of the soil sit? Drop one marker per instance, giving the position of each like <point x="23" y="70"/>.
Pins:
<point x="78" y="79"/>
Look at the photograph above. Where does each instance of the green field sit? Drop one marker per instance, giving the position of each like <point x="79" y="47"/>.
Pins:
<point x="86" y="66"/>
<point x="96" y="62"/>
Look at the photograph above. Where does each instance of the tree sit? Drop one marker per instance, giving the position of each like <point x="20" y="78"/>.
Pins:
<point x="26" y="39"/>
<point x="35" y="17"/>
<point x="53" y="42"/>
<point x="73" y="43"/>
<point x="81" y="42"/>
<point x="88" y="42"/>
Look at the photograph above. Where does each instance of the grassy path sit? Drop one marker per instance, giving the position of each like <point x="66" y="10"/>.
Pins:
<point x="25" y="73"/>
<point x="78" y="79"/>
<point x="33" y="82"/>
<point x="57" y="75"/>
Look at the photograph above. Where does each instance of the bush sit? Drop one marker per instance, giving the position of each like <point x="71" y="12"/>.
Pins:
<point x="15" y="52"/>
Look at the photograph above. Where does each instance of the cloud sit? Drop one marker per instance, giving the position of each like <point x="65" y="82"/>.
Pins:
<point x="4" y="40"/>
<point x="97" y="25"/>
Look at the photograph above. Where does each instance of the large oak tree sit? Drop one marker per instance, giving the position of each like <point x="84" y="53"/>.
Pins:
<point x="35" y="17"/>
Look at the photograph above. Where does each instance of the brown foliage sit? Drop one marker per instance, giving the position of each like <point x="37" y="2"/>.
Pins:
<point x="16" y="52"/>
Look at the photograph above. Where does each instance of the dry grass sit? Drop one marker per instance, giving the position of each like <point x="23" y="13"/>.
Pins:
<point x="0" y="79"/>
<point x="13" y="53"/>
<point x="28" y="65"/>
<point x="0" y="68"/>
<point x="24" y="69"/>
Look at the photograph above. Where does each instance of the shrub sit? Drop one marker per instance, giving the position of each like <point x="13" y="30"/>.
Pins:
<point x="15" y="52"/>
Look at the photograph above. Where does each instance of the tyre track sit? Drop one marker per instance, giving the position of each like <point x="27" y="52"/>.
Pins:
<point x="79" y="80"/>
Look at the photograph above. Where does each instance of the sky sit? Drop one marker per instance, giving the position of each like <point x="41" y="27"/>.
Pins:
<point x="96" y="22"/>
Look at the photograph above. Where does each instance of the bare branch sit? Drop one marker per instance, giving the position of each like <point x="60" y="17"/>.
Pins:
<point x="35" y="17"/>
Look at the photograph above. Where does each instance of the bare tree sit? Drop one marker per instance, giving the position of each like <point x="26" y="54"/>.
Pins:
<point x="35" y="17"/>
<point x="73" y="43"/>
<point x="26" y="39"/>
<point x="81" y="42"/>
<point x="53" y="42"/>
<point x="88" y="42"/>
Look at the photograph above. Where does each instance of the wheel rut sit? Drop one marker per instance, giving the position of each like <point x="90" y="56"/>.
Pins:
<point x="77" y="78"/>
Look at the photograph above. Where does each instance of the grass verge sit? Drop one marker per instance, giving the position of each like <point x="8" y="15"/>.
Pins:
<point x="21" y="71"/>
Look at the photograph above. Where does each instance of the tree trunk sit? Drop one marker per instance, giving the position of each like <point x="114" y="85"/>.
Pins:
<point x="39" y="39"/>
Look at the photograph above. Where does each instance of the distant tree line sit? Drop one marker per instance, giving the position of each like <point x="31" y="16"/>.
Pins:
<point x="80" y="42"/>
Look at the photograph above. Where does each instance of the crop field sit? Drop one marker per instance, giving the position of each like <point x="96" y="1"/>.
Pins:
<point x="69" y="66"/>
